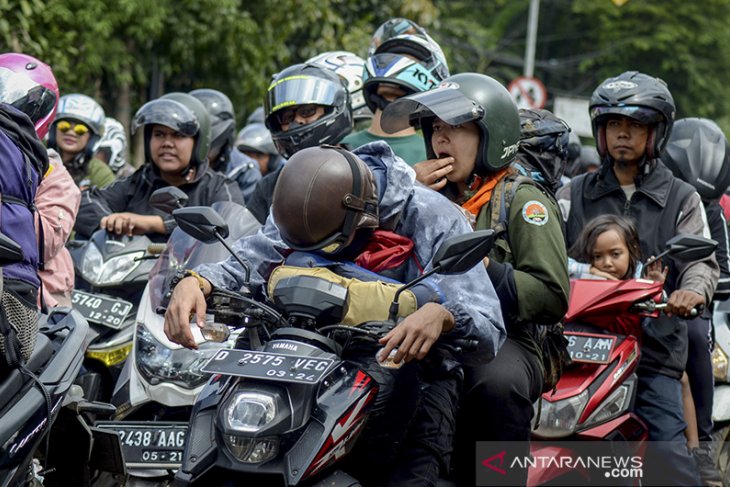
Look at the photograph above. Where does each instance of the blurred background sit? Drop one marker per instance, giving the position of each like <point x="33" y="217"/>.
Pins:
<point x="126" y="52"/>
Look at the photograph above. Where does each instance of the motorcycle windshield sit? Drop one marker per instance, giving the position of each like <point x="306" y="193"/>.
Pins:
<point x="185" y="252"/>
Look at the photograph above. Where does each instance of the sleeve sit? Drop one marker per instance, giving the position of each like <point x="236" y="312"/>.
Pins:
<point x="699" y="276"/>
<point x="96" y="203"/>
<point x="101" y="174"/>
<point x="718" y="230"/>
<point x="540" y="258"/>
<point x="563" y="197"/>
<point x="577" y="269"/>
<point x="57" y="201"/>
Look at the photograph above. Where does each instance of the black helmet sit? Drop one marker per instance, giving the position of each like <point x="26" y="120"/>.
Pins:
<point x="462" y="98"/>
<point x="323" y="195"/>
<point x="222" y="117"/>
<point x="304" y="84"/>
<point x="637" y="96"/>
<point x="544" y="146"/>
<point x="698" y="153"/>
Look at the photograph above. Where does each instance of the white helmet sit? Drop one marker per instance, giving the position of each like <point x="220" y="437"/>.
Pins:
<point x="349" y="67"/>
<point x="115" y="141"/>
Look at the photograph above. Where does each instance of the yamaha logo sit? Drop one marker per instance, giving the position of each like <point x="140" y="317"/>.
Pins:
<point x="620" y="85"/>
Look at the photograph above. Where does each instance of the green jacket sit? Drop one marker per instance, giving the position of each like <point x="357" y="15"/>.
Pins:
<point x="529" y="262"/>
<point x="95" y="173"/>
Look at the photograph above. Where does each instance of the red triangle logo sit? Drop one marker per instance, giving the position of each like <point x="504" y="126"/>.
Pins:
<point x="488" y="462"/>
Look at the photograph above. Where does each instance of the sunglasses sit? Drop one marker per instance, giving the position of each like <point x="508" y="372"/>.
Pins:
<point x="77" y="127"/>
<point x="287" y="115"/>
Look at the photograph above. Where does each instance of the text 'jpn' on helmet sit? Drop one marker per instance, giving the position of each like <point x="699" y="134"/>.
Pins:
<point x="698" y="153"/>
<point x="305" y="84"/>
<point x="544" y="146"/>
<point x="30" y="86"/>
<point x="322" y="197"/>
<point x="640" y="97"/>
<point x="349" y="67"/>
<point x="463" y="98"/>
<point x="114" y="141"/>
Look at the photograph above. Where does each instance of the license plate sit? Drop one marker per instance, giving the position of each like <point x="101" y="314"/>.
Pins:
<point x="590" y="348"/>
<point x="150" y="444"/>
<point x="271" y="366"/>
<point x="105" y="311"/>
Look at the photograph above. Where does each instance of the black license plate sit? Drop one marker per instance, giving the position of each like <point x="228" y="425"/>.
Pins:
<point x="590" y="348"/>
<point x="150" y="444"/>
<point x="271" y="366"/>
<point x="105" y="311"/>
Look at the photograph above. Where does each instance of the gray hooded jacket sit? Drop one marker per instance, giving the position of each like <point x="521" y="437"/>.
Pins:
<point x="415" y="211"/>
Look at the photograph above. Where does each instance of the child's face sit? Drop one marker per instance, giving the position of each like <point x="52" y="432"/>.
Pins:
<point x="611" y="255"/>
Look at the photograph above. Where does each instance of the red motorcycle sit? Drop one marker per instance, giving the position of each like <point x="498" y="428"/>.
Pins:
<point x="594" y="398"/>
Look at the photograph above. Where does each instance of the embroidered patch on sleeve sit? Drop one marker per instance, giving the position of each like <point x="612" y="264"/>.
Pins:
<point x="535" y="213"/>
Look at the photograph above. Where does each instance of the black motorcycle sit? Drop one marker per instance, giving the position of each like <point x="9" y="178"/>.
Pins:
<point x="286" y="405"/>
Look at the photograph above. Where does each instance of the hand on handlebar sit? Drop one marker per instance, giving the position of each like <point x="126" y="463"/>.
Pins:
<point x="683" y="302"/>
<point x="187" y="300"/>
<point x="416" y="334"/>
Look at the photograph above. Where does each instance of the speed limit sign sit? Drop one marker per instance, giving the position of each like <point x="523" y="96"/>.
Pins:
<point x="528" y="92"/>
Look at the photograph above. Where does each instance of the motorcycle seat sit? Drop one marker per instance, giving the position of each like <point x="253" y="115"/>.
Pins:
<point x="11" y="385"/>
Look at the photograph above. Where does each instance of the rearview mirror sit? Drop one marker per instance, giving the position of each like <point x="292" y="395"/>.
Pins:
<point x="690" y="247"/>
<point x="10" y="251"/>
<point x="168" y="199"/>
<point x="202" y="223"/>
<point x="459" y="254"/>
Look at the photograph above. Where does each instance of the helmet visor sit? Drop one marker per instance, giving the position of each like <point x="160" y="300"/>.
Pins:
<point x="18" y="90"/>
<point x="641" y="114"/>
<point x="169" y="113"/>
<point x="302" y="90"/>
<point x="446" y="103"/>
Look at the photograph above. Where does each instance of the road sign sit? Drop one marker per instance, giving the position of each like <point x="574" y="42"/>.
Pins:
<point x="528" y="92"/>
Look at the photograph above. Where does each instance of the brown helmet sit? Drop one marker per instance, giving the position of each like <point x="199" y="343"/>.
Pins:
<point x="323" y="195"/>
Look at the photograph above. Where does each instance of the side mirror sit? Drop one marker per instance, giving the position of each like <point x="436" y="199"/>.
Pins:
<point x="168" y="199"/>
<point x="459" y="254"/>
<point x="690" y="247"/>
<point x="202" y="223"/>
<point x="10" y="251"/>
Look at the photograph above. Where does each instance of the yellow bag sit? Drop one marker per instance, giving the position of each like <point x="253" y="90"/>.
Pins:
<point x="366" y="300"/>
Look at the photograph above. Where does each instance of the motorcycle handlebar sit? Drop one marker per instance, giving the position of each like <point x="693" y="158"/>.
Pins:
<point x="651" y="306"/>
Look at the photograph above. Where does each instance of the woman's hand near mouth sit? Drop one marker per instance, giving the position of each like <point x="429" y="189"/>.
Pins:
<point x="432" y="172"/>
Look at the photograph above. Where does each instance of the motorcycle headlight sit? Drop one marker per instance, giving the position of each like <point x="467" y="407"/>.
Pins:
<point x="112" y="355"/>
<point x="559" y="419"/>
<point x="719" y="364"/>
<point x="252" y="450"/>
<point x="614" y="405"/>
<point x="249" y="412"/>
<point x="157" y="363"/>
<point x="104" y="273"/>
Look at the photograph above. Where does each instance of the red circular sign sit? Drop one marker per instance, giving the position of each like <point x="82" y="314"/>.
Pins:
<point x="528" y="92"/>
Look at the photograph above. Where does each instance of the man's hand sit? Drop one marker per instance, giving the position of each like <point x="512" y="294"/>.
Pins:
<point x="414" y="336"/>
<point x="433" y="171"/>
<point x="132" y="224"/>
<point x="187" y="300"/>
<point x="682" y="303"/>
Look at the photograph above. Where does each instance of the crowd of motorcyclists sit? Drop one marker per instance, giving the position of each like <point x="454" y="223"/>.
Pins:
<point x="351" y="154"/>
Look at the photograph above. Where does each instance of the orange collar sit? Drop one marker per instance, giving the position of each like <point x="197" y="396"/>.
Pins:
<point x="484" y="193"/>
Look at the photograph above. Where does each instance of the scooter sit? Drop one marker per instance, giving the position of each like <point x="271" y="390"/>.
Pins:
<point x="39" y="400"/>
<point x="160" y="380"/>
<point x="111" y="274"/>
<point x="594" y="398"/>
<point x="721" y="401"/>
<point x="286" y="405"/>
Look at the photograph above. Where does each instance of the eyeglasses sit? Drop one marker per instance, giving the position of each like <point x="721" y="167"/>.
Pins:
<point x="77" y="127"/>
<point x="286" y="116"/>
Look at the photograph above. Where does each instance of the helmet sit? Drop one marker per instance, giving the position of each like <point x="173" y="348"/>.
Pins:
<point x="637" y="96"/>
<point x="544" y="146"/>
<point x="323" y="195"/>
<point x="220" y="110"/>
<point x="255" y="137"/>
<point x="83" y="109"/>
<point x="349" y="67"/>
<point x="462" y="98"/>
<point x="114" y="141"/>
<point x="574" y="146"/>
<point x="404" y="55"/>
<point x="29" y="85"/>
<point x="303" y="84"/>
<point x="698" y="153"/>
<point x="257" y="116"/>
<point x="182" y="113"/>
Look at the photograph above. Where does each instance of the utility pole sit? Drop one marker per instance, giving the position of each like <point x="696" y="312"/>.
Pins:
<point x="531" y="38"/>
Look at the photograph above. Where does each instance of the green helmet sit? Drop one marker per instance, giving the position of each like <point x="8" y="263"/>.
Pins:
<point x="202" y="138"/>
<point x="462" y="98"/>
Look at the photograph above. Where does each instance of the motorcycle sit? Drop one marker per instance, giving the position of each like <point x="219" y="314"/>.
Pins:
<point x="285" y="405"/>
<point x="111" y="273"/>
<point x="721" y="400"/>
<point x="594" y="398"/>
<point x="39" y="400"/>
<point x="160" y="380"/>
